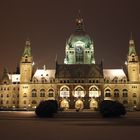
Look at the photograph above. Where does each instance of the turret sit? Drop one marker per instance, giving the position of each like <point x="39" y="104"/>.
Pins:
<point x="26" y="64"/>
<point x="5" y="77"/>
<point x="133" y="63"/>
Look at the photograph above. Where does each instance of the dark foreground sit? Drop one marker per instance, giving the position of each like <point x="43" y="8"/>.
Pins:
<point x="68" y="126"/>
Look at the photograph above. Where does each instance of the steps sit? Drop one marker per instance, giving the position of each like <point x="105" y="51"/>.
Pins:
<point x="78" y="115"/>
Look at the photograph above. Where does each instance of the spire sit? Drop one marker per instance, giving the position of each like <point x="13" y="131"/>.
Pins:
<point x="27" y="50"/>
<point x="132" y="49"/>
<point x="5" y="77"/>
<point x="79" y="22"/>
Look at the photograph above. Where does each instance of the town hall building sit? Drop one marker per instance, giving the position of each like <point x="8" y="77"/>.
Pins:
<point x="78" y="83"/>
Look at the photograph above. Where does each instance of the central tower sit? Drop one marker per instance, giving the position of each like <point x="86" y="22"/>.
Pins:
<point x="79" y="47"/>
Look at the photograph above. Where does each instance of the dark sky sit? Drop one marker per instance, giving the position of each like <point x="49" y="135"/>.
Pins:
<point x="48" y="23"/>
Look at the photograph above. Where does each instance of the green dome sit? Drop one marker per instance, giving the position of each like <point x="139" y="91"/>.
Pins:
<point x="79" y="35"/>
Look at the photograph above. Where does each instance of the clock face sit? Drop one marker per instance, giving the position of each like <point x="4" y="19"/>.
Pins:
<point x="79" y="49"/>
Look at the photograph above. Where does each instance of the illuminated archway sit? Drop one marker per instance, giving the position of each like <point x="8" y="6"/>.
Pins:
<point x="79" y="104"/>
<point x="64" y="104"/>
<point x="93" y="104"/>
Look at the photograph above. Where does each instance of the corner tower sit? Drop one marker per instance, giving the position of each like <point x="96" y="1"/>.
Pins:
<point x="79" y="47"/>
<point x="133" y="64"/>
<point x="26" y="64"/>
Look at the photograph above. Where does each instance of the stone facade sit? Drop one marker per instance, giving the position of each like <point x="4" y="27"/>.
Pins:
<point x="79" y="83"/>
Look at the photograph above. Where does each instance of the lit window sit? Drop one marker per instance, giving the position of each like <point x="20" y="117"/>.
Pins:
<point x="34" y="93"/>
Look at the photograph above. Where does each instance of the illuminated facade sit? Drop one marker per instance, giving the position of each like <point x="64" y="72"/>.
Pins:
<point x="79" y="83"/>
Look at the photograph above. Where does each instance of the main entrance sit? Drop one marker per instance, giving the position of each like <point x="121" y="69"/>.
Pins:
<point x="64" y="104"/>
<point x="93" y="104"/>
<point x="79" y="104"/>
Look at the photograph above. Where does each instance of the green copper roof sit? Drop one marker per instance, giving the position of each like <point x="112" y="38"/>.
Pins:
<point x="79" y="35"/>
<point x="132" y="49"/>
<point x="27" y="50"/>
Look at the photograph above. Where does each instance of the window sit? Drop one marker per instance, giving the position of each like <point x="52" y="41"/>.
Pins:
<point x="42" y="93"/>
<point x="34" y="93"/>
<point x="125" y="93"/>
<point x="64" y="92"/>
<point x="93" y="92"/>
<point x="134" y="95"/>
<point x="7" y="102"/>
<point x="107" y="93"/>
<point x="7" y="95"/>
<point x="135" y="102"/>
<point x="25" y="95"/>
<point x="79" y="54"/>
<point x="50" y="93"/>
<point x="116" y="93"/>
<point x="1" y="102"/>
<point x="1" y="95"/>
<point x="13" y="102"/>
<point x="24" y="102"/>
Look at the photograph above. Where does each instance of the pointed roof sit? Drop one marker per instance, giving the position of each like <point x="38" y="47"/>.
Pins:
<point x="132" y="49"/>
<point x="5" y="76"/>
<point x="79" y="33"/>
<point x="27" y="49"/>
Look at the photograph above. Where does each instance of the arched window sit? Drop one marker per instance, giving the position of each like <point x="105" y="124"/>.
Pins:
<point x="79" y="54"/>
<point x="125" y="93"/>
<point x="34" y="93"/>
<point x="134" y="95"/>
<point x="1" y="95"/>
<point x="51" y="93"/>
<point x="116" y="93"/>
<point x="64" y="92"/>
<point x="107" y="93"/>
<point x="25" y="95"/>
<point x="42" y="93"/>
<point x="93" y="92"/>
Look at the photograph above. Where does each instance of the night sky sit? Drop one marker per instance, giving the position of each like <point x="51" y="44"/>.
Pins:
<point x="49" y="23"/>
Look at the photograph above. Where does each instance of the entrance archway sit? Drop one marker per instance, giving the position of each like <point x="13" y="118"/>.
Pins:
<point x="64" y="104"/>
<point x="79" y="104"/>
<point x="93" y="104"/>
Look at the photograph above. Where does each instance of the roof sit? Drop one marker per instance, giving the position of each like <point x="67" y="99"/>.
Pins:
<point x="112" y="73"/>
<point x="78" y="71"/>
<point x="43" y="73"/>
<point x="14" y="77"/>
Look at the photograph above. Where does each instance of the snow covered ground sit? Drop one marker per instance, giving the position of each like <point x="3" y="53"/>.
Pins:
<point x="26" y="126"/>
